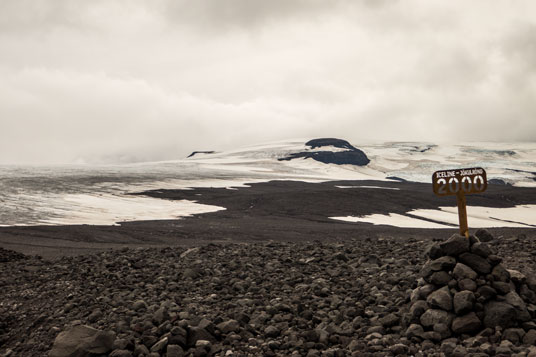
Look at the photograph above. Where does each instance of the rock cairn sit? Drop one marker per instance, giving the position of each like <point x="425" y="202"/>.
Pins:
<point x="465" y="291"/>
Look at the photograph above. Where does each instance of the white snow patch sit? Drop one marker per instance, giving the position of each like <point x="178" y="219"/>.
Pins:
<point x="382" y="188"/>
<point x="522" y="216"/>
<point x="110" y="209"/>
<point x="392" y="219"/>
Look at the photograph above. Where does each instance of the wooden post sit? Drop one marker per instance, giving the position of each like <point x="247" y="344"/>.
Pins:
<point x="462" y="213"/>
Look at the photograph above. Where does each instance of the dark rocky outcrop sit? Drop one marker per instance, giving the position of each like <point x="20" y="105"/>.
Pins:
<point x="351" y="156"/>
<point x="338" y="143"/>
<point x="200" y="152"/>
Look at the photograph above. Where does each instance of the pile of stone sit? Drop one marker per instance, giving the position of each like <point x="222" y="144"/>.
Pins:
<point x="465" y="291"/>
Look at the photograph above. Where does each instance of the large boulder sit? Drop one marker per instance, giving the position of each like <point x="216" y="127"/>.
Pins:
<point x="82" y="341"/>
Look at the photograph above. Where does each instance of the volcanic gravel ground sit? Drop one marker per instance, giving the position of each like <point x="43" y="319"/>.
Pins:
<point x="254" y="299"/>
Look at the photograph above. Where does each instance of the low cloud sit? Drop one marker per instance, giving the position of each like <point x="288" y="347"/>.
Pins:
<point x="135" y="80"/>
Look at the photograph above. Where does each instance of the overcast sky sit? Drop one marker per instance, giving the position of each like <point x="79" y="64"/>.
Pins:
<point x="119" y="81"/>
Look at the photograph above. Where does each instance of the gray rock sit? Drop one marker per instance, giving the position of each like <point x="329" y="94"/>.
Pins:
<point x="503" y="349"/>
<point x="459" y="351"/>
<point x="519" y="305"/>
<point x="414" y="330"/>
<point x="486" y="293"/>
<point x="487" y="348"/>
<point x="426" y="290"/>
<point x="432" y="336"/>
<point x="517" y="277"/>
<point x="122" y="344"/>
<point x="138" y="305"/>
<point x="443" y="330"/>
<point x="531" y="283"/>
<point x="434" y="316"/>
<point x="440" y="299"/>
<point x="463" y="302"/>
<point x="434" y="251"/>
<point x="455" y="245"/>
<point x="499" y="314"/>
<point x="399" y="349"/>
<point x="141" y="350"/>
<point x="494" y="259"/>
<point x="481" y="249"/>
<point x="484" y="235"/>
<point x="475" y="262"/>
<point x="501" y="287"/>
<point x="417" y="309"/>
<point x="426" y="270"/>
<point x="448" y="346"/>
<point x="271" y="331"/>
<point x="228" y="326"/>
<point x="514" y="335"/>
<point x="160" y="316"/>
<point x="462" y="271"/>
<point x="445" y="263"/>
<point x="198" y="333"/>
<point x="469" y="323"/>
<point x="82" y="340"/>
<point x="527" y="294"/>
<point x="500" y="274"/>
<point x="120" y="353"/>
<point x="530" y="338"/>
<point x="160" y="345"/>
<point x="467" y="284"/>
<point x="439" y="278"/>
<point x="529" y="325"/>
<point x="389" y="320"/>
<point x="174" y="351"/>
<point x="203" y="344"/>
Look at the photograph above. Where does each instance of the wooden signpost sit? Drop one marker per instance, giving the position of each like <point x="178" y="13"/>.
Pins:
<point x="460" y="182"/>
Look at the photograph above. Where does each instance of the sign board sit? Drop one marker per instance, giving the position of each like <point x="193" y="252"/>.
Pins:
<point x="460" y="182"/>
<point x="450" y="182"/>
